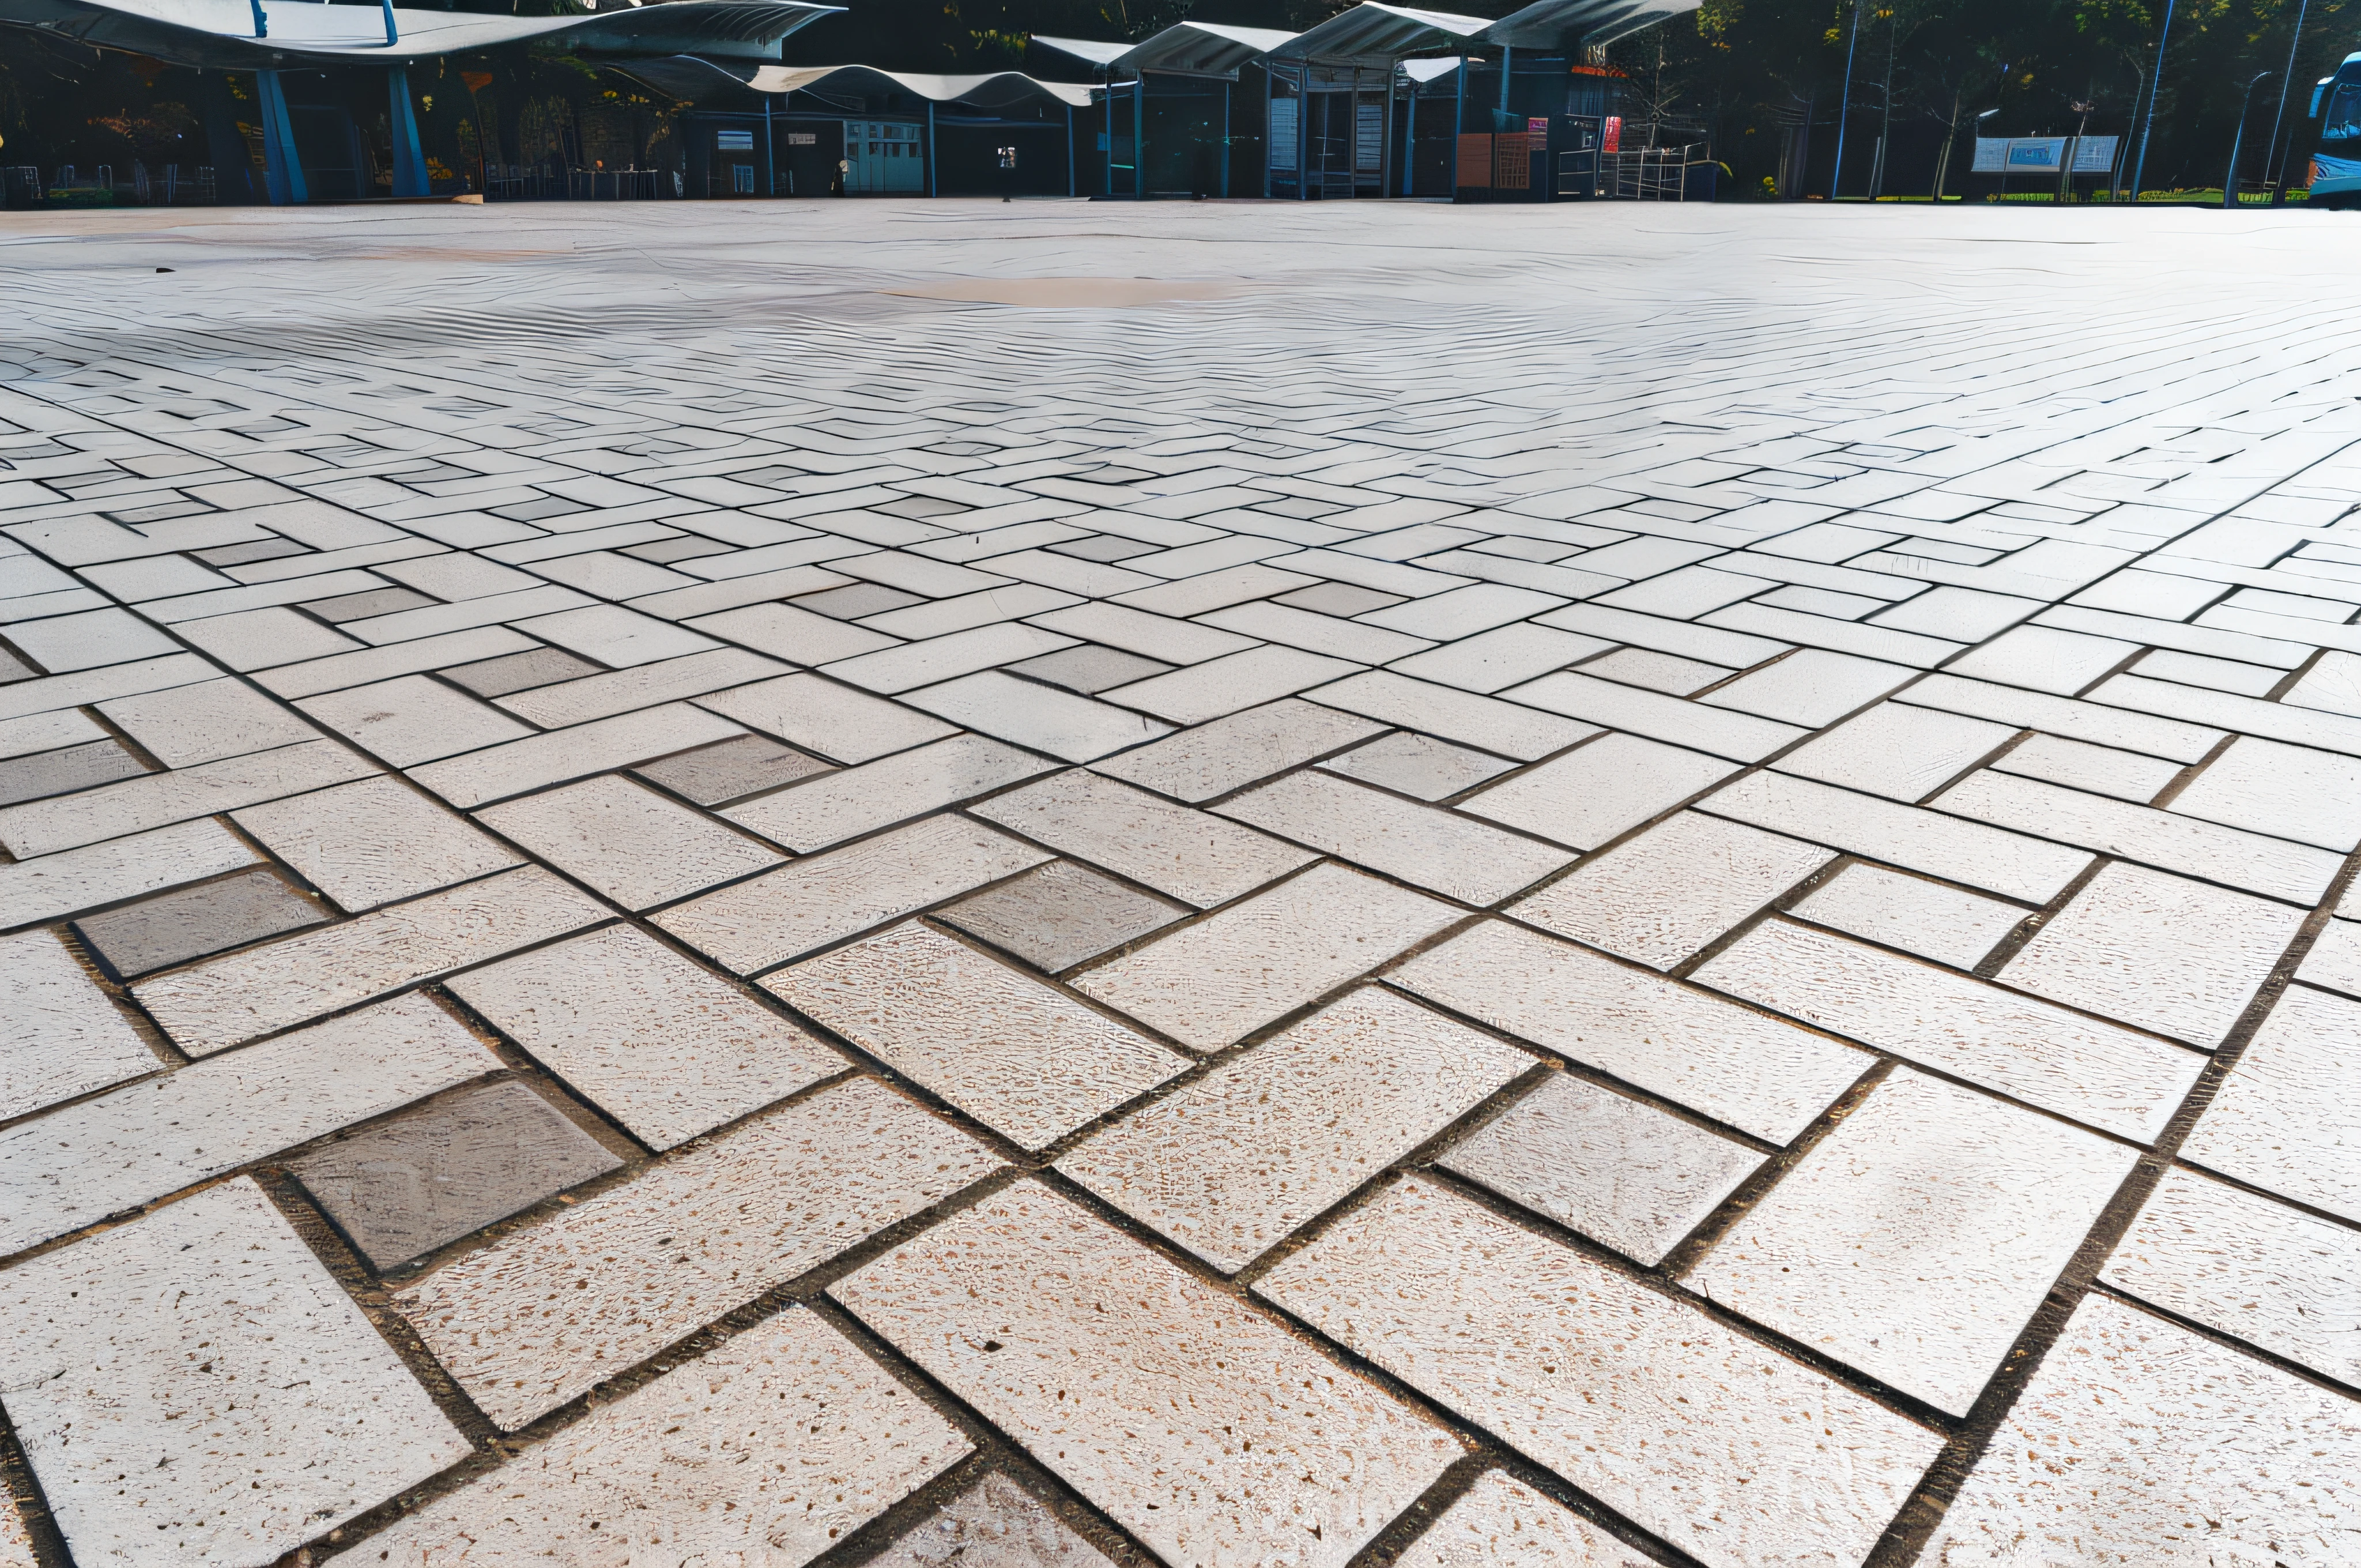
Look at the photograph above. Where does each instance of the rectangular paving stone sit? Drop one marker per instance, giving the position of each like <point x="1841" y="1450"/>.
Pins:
<point x="498" y="772"/>
<point x="2126" y="775"/>
<point x="1737" y="735"/>
<point x="1617" y="1169"/>
<point x="1194" y="856"/>
<point x="2138" y="1444"/>
<point x="995" y="1520"/>
<point x="1235" y="1162"/>
<point x="822" y="899"/>
<point x="836" y="722"/>
<point x="412" y="719"/>
<point x="922" y="663"/>
<point x="1902" y="753"/>
<point x="1021" y="1057"/>
<point x="211" y="1006"/>
<point x="48" y="695"/>
<point x="1501" y="1521"/>
<point x="2161" y="952"/>
<point x="782" y="630"/>
<point x="1063" y="724"/>
<point x="1598" y="791"/>
<point x="627" y="841"/>
<point x="1946" y="924"/>
<point x="190" y="922"/>
<point x="1056" y="915"/>
<point x="1727" y="1449"/>
<point x="370" y="842"/>
<point x="159" y="800"/>
<point x="1464" y="717"/>
<point x="66" y="769"/>
<point x="667" y="1050"/>
<point x="1229" y="684"/>
<point x="2104" y="1077"/>
<point x="51" y="885"/>
<point x="1423" y="845"/>
<point x="404" y="1186"/>
<point x="858" y="800"/>
<point x="205" y="722"/>
<point x="541" y="666"/>
<point x="771" y="1448"/>
<point x="604" y="695"/>
<point x="1918" y="1238"/>
<point x="2010" y="864"/>
<point x="2290" y="792"/>
<point x="1810" y="687"/>
<point x="48" y="732"/>
<point x="76" y="1166"/>
<point x="1194" y="1421"/>
<point x="60" y="1033"/>
<point x="194" y="1387"/>
<point x="2238" y="1262"/>
<point x="2045" y="659"/>
<point x="1660" y="897"/>
<point x="712" y="775"/>
<point x="2288" y="1118"/>
<point x="2075" y="721"/>
<point x="550" y="1311"/>
<point x="64" y="643"/>
<point x="1210" y="984"/>
<point x="1751" y="1072"/>
<point x="1417" y="765"/>
<point x="1212" y="760"/>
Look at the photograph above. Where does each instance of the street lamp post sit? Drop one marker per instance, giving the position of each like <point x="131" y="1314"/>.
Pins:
<point x="2155" y="85"/>
<point x="1975" y="135"/>
<point x="1843" y="104"/>
<point x="2230" y="179"/>
<point x="2279" y="186"/>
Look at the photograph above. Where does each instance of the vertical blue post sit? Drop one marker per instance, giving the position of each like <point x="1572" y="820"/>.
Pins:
<point x="1139" y="136"/>
<point x="1303" y="136"/>
<point x="1508" y="60"/>
<point x="1074" y="179"/>
<point x="1458" y="125"/>
<point x="771" y="159"/>
<point x="282" y="170"/>
<point x="392" y="33"/>
<point x="2156" y="84"/>
<point x="1106" y="135"/>
<point x="930" y="146"/>
<point x="1844" y="106"/>
<point x="261" y="22"/>
<point x="1270" y="104"/>
<point x="1226" y="137"/>
<point x="409" y="157"/>
<point x="1409" y="140"/>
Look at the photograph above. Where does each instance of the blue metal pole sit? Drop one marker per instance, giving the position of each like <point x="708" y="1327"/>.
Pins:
<point x="1844" y="106"/>
<point x="1508" y="65"/>
<point x="2156" y="82"/>
<point x="282" y="169"/>
<point x="261" y="22"/>
<point x="1458" y="125"/>
<point x="1225" y="138"/>
<point x="1409" y="140"/>
<point x="930" y="146"/>
<point x="2279" y="185"/>
<point x="1139" y="136"/>
<point x="1074" y="179"/>
<point x="409" y="157"/>
<point x="392" y="34"/>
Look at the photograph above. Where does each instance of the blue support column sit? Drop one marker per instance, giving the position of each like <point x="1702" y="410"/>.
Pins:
<point x="1410" y="141"/>
<point x="1074" y="179"/>
<point x="409" y="157"/>
<point x="1508" y="58"/>
<point x="1303" y="137"/>
<point x="1225" y="138"/>
<point x="1458" y="125"/>
<point x="930" y="146"/>
<point x="1106" y="138"/>
<point x="1139" y="136"/>
<point x="282" y="170"/>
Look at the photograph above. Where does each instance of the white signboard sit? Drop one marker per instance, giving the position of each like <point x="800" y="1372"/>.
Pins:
<point x="2094" y="155"/>
<point x="1282" y="131"/>
<point x="2028" y="155"/>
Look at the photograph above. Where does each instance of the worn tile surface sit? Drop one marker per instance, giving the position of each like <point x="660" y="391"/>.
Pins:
<point x="1045" y="724"/>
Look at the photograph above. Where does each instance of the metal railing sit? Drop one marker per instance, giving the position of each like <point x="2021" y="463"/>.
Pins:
<point x="21" y="185"/>
<point x="1650" y="174"/>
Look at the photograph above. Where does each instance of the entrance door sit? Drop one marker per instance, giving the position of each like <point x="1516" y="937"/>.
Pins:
<point x="1332" y="149"/>
<point x="883" y="158"/>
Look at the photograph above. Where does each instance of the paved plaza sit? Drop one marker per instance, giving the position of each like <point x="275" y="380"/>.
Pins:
<point x="1211" y="885"/>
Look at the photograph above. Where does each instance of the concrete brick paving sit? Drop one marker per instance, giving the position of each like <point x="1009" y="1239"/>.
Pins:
<point x="1595" y="885"/>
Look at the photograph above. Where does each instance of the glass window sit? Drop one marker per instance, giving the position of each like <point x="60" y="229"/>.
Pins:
<point x="2343" y="117"/>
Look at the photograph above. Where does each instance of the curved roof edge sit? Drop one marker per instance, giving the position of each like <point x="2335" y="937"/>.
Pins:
<point x="989" y="90"/>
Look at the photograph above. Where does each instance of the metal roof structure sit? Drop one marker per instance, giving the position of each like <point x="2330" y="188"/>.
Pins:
<point x="1200" y="49"/>
<point x="222" y="33"/>
<point x="1565" y="26"/>
<point x="991" y="90"/>
<point x="1092" y="49"/>
<point x="1373" y="31"/>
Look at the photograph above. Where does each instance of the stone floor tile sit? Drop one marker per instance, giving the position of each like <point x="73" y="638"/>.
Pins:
<point x="2259" y="1271"/>
<point x="63" y="644"/>
<point x="2010" y="864"/>
<point x="368" y="843"/>
<point x="612" y="692"/>
<point x="2075" y="721"/>
<point x="1157" y="638"/>
<point x="159" y="800"/>
<point x="1504" y="656"/>
<point x="1661" y="896"/>
<point x="1591" y="794"/>
<point x="1740" y="737"/>
<point x="205" y="722"/>
<point x="822" y="899"/>
<point x="1501" y="1521"/>
<point x="370" y="602"/>
<point x="1901" y="752"/>
<point x="1315" y="633"/>
<point x="666" y="1048"/>
<point x="705" y="1459"/>
<point x="1417" y="765"/>
<point x="1810" y="687"/>
<point x="1666" y="673"/>
<point x="1235" y="1162"/>
<point x="496" y="773"/>
<point x="2222" y="675"/>
<point x="144" y="1141"/>
<point x="51" y="885"/>
<point x="1018" y="1055"/>
<point x="1728" y="1449"/>
<point x="403" y="1187"/>
<point x="193" y="1387"/>
<point x="923" y="663"/>
<point x="2158" y="952"/>
<point x="1056" y="915"/>
<point x="1918" y="1239"/>
<point x="70" y="768"/>
<point x="1199" y="1425"/>
<point x="995" y="1522"/>
<point x="836" y="722"/>
<point x="550" y="1311"/>
<point x="2288" y="1118"/>
<point x="2126" y="775"/>
<point x="2063" y="662"/>
<point x="412" y="719"/>
<point x="2272" y="866"/>
<point x="1194" y="856"/>
<point x="1228" y="684"/>
<point x="1946" y="924"/>
<point x="1431" y="848"/>
<point x="214" y="1005"/>
<point x="1757" y="1074"/>
<point x="46" y="732"/>
<point x="191" y="922"/>
<point x="2100" y="1075"/>
<point x="2290" y="792"/>
<point x="2334" y="960"/>
<point x="713" y="774"/>
<point x="1046" y="718"/>
<point x="785" y="632"/>
<point x="2138" y="1444"/>
<point x="1231" y="752"/>
<point x="1464" y="717"/>
<point x="627" y="841"/>
<point x="1617" y="1169"/>
<point x="1208" y="984"/>
<point x="853" y="801"/>
<point x="1090" y="668"/>
<point x="59" y="1035"/>
<point x="488" y="678"/>
<point x="15" y="1538"/>
<point x="614" y="636"/>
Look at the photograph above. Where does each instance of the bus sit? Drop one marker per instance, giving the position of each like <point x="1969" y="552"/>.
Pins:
<point x="2335" y="179"/>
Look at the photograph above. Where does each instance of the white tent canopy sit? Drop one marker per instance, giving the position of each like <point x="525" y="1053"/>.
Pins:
<point x="991" y="90"/>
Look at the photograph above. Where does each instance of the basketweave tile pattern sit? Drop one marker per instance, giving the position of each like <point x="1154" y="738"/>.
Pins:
<point x="659" y="903"/>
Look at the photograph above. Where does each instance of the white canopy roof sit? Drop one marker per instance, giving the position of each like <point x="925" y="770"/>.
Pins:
<point x="991" y="90"/>
<point x="1375" y="31"/>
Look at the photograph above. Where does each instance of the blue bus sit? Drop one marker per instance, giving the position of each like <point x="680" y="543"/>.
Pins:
<point x="2336" y="165"/>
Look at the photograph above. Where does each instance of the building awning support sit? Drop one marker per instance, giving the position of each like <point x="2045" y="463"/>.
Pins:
<point x="282" y="170"/>
<point x="930" y="146"/>
<point x="409" y="157"/>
